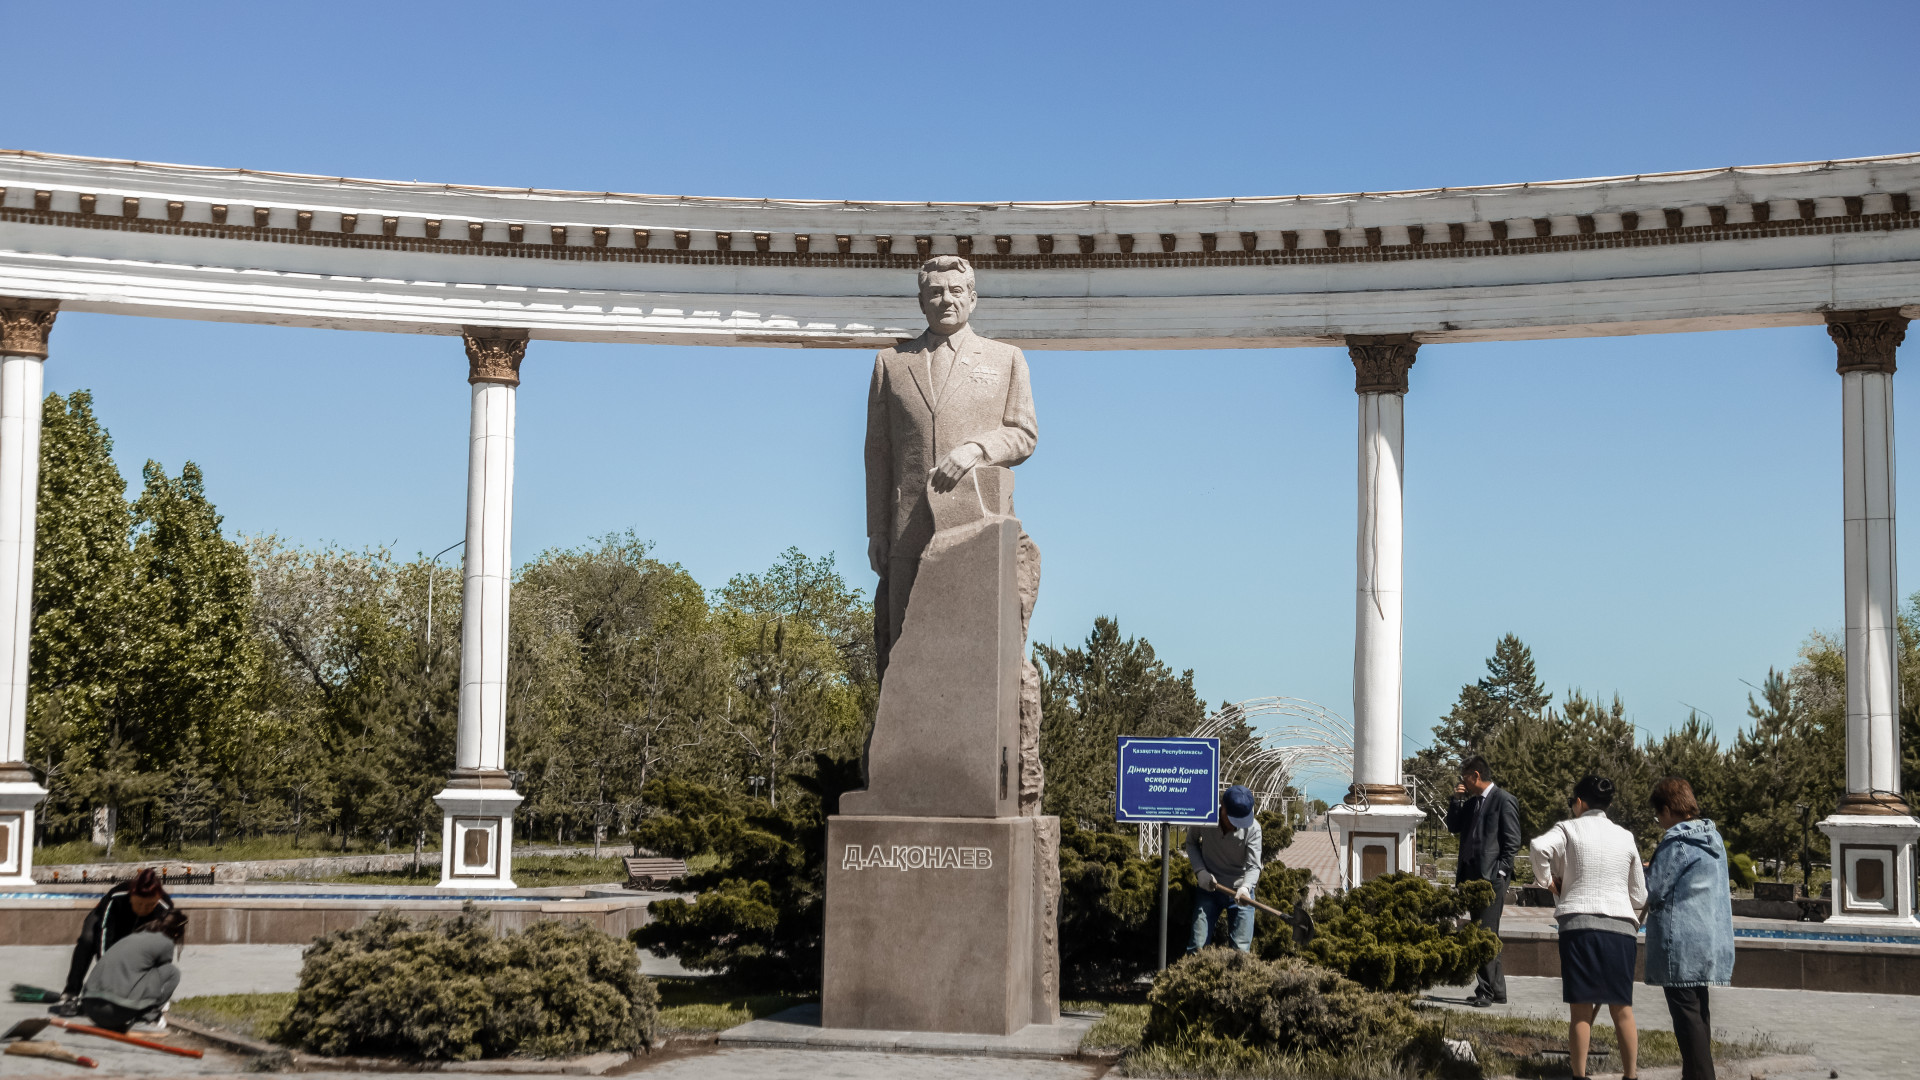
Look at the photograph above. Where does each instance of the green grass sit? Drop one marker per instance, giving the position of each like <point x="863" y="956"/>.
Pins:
<point x="1119" y="1028"/>
<point x="529" y="872"/>
<point x="1505" y="1046"/>
<point x="257" y="1016"/>
<point x="1511" y="1045"/>
<point x="689" y="1006"/>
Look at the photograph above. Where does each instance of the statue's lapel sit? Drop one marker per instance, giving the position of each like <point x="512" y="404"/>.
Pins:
<point x="915" y="361"/>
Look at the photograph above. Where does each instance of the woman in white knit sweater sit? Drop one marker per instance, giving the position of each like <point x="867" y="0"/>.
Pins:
<point x="1593" y="866"/>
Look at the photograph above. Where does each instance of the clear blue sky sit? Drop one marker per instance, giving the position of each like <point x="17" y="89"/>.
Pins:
<point x="1657" y="516"/>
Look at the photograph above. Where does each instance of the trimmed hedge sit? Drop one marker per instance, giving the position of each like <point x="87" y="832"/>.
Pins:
<point x="1222" y="999"/>
<point x="451" y="989"/>
<point x="1403" y="933"/>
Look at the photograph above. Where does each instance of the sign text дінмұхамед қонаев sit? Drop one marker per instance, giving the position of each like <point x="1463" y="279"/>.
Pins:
<point x="1169" y="780"/>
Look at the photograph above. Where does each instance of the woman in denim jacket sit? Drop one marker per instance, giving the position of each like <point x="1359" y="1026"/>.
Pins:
<point x="1689" y="921"/>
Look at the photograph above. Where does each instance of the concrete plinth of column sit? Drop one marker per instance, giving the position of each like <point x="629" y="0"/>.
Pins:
<point x="1873" y="868"/>
<point x="1374" y="839"/>
<point x="476" y="834"/>
<point x="20" y="799"/>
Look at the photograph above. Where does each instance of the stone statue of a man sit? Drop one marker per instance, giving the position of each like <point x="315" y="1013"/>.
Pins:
<point x="940" y="405"/>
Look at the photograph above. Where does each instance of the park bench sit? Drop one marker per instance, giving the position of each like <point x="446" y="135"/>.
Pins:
<point x="652" y="873"/>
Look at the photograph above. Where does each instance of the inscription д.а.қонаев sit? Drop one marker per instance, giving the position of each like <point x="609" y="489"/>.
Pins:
<point x="916" y="857"/>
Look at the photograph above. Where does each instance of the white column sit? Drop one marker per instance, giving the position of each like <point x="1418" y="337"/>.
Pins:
<point x="1871" y="831"/>
<point x="479" y="800"/>
<point x="1376" y="824"/>
<point x="24" y="326"/>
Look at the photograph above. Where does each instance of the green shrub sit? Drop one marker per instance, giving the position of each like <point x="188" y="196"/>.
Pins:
<point x="451" y="989"/>
<point x="759" y="917"/>
<point x="1221" y="999"/>
<point x="1401" y="932"/>
<point x="1741" y="873"/>
<point x="1110" y="910"/>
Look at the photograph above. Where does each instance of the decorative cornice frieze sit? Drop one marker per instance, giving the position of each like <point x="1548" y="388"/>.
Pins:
<point x="1380" y="362"/>
<point x="494" y="354"/>
<point x="24" y="326"/>
<point x="1134" y="250"/>
<point x="1867" y="340"/>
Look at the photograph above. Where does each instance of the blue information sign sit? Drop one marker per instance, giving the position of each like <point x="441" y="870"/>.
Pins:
<point x="1173" y="780"/>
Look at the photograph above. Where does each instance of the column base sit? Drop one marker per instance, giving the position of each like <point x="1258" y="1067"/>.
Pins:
<point x="19" y="803"/>
<point x="476" y="837"/>
<point x="1872" y="868"/>
<point x="1374" y="841"/>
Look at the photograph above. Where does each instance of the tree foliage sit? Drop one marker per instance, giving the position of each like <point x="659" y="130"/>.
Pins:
<point x="1781" y="773"/>
<point x="198" y="686"/>
<point x="1092" y="694"/>
<point x="759" y="918"/>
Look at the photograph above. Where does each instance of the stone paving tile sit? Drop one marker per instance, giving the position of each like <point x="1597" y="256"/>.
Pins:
<point x="751" y="1064"/>
<point x="1870" y="1036"/>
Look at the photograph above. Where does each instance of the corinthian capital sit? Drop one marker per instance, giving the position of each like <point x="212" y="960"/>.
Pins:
<point x="494" y="354"/>
<point x="1380" y="362"/>
<point x="24" y="326"/>
<point x="1867" y="339"/>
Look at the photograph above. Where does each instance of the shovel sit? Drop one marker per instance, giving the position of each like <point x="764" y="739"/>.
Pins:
<point x="1269" y="910"/>
<point x="28" y="1028"/>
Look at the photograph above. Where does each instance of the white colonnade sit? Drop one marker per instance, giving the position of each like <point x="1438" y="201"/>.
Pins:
<point x="476" y="833"/>
<point x="1872" y="831"/>
<point x="24" y="326"/>
<point x="1375" y="826"/>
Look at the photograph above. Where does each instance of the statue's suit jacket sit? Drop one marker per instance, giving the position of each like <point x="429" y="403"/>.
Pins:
<point x="913" y="424"/>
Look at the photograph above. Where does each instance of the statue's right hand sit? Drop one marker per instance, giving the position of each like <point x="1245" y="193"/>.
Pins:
<point x="877" y="556"/>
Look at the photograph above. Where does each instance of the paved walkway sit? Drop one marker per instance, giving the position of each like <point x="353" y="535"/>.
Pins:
<point x="745" y="1064"/>
<point x="1873" y="1036"/>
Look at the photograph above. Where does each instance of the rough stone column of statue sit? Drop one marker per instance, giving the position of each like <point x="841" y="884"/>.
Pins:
<point x="479" y="800"/>
<point x="1872" y="831"/>
<point x="1377" y="822"/>
<point x="24" y="327"/>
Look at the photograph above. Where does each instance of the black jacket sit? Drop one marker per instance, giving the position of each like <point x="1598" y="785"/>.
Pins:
<point x="110" y="920"/>
<point x="1499" y="836"/>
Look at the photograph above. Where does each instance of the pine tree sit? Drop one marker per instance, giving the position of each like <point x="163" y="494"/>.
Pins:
<point x="1511" y="695"/>
<point x="1511" y="689"/>
<point x="1091" y="695"/>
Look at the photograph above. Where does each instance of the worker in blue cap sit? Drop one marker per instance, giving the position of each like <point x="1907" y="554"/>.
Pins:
<point x="1229" y="857"/>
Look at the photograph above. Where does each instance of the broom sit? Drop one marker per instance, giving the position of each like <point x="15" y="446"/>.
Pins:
<point x="23" y="992"/>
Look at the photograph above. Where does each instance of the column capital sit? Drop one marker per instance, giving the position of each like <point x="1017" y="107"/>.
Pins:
<point x="1380" y="362"/>
<point x="24" y="326"/>
<point x="494" y="354"/>
<point x="1867" y="338"/>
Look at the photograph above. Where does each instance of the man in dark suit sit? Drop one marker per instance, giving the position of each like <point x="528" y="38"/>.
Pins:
<point x="1487" y="821"/>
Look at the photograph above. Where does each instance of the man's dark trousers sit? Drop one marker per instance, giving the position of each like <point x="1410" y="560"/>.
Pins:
<point x="1693" y="1029"/>
<point x="1492" y="982"/>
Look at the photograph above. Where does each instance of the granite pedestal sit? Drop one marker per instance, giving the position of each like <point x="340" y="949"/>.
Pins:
<point x="942" y="898"/>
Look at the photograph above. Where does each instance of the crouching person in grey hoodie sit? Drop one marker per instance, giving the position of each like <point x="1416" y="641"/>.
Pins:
<point x="133" y="983"/>
<point x="1689" y="921"/>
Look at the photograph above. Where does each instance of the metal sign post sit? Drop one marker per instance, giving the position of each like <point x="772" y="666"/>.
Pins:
<point x="1167" y="782"/>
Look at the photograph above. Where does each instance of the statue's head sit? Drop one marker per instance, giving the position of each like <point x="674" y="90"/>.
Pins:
<point x="946" y="293"/>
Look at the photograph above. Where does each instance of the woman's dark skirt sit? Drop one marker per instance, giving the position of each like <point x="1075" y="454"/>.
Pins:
<point x="1596" y="967"/>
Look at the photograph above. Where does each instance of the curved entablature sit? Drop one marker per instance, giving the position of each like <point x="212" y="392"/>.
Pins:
<point x="1757" y="246"/>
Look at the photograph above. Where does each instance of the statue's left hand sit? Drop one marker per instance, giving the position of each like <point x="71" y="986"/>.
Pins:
<point x="964" y="457"/>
